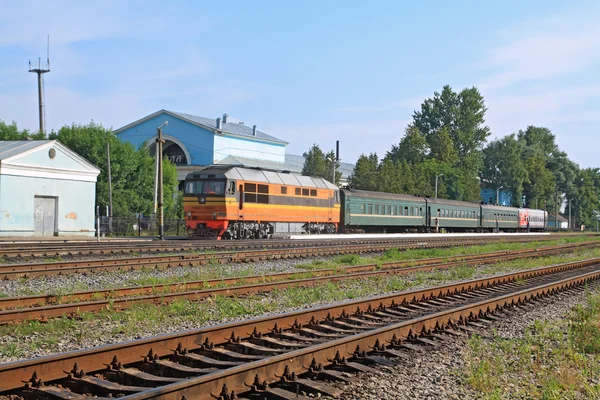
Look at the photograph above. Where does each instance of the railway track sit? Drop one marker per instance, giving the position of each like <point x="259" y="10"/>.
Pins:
<point x="282" y="355"/>
<point x="29" y="270"/>
<point x="20" y="250"/>
<point x="43" y="307"/>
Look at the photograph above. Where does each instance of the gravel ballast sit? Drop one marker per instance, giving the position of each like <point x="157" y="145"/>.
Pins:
<point x="437" y="373"/>
<point x="61" y="284"/>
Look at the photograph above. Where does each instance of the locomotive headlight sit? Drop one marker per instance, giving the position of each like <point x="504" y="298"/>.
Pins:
<point x="189" y="214"/>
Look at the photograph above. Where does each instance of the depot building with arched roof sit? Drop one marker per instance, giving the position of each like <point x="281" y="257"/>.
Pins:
<point x="192" y="142"/>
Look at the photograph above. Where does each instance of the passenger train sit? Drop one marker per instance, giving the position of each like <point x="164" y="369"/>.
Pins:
<point x="230" y="202"/>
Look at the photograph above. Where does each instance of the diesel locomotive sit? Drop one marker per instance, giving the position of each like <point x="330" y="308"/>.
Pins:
<point x="230" y="202"/>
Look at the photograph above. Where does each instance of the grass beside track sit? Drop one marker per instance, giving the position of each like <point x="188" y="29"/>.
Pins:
<point x="145" y="319"/>
<point x="216" y="271"/>
<point x="553" y="360"/>
<point x="418" y="254"/>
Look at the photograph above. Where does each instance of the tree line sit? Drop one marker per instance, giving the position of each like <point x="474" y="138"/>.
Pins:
<point x="448" y="139"/>
<point x="132" y="170"/>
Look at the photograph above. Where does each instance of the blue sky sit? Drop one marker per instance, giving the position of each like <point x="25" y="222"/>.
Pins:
<point x="310" y="71"/>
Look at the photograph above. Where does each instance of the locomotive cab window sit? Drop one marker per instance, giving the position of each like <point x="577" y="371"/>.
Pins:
<point x="213" y="187"/>
<point x="193" y="187"/>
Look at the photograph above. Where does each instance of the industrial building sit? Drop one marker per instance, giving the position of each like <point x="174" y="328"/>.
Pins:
<point x="46" y="189"/>
<point x="192" y="141"/>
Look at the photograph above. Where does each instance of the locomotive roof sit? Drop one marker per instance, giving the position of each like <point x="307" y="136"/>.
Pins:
<point x="260" y="175"/>
<point x="381" y="195"/>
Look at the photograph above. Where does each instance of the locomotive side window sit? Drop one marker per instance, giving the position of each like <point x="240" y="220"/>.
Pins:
<point x="284" y="190"/>
<point x="231" y="189"/>
<point x="250" y="187"/>
<point x="298" y="191"/>
<point x="304" y="192"/>
<point x="370" y="209"/>
<point x="313" y="192"/>
<point x="263" y="189"/>
<point x="262" y="199"/>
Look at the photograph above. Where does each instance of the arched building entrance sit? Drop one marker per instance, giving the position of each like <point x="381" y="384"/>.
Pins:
<point x="176" y="152"/>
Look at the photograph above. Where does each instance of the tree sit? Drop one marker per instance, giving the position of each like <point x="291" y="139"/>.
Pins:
<point x="441" y="148"/>
<point x="132" y="170"/>
<point x="319" y="164"/>
<point x="412" y="148"/>
<point x="12" y="132"/>
<point x="364" y="176"/>
<point x="314" y="162"/>
<point x="503" y="165"/>
<point x="586" y="204"/>
<point x="461" y="117"/>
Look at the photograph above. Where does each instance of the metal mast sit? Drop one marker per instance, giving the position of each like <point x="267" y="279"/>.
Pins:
<point x="41" y="69"/>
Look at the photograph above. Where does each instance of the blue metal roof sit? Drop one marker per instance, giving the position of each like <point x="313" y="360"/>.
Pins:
<point x="9" y="148"/>
<point x="233" y="128"/>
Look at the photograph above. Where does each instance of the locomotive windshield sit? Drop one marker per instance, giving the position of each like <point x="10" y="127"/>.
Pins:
<point x="205" y="187"/>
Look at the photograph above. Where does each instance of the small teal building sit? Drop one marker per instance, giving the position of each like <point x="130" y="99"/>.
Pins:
<point x="192" y="141"/>
<point x="46" y="189"/>
<point x="489" y="196"/>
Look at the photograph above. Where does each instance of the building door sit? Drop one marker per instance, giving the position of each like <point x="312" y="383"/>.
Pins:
<point x="45" y="215"/>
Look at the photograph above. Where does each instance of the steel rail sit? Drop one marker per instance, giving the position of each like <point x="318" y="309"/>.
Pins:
<point x="42" y="307"/>
<point x="51" y="368"/>
<point x="28" y="270"/>
<point x="270" y="370"/>
<point x="74" y="249"/>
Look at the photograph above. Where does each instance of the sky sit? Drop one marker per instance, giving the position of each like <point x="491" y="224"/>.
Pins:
<point x="309" y="71"/>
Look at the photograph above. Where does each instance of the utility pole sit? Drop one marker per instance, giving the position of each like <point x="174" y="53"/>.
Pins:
<point x="110" y="204"/>
<point x="161" y="210"/>
<point x="436" y="185"/>
<point x="40" y="70"/>
<point x="570" y="226"/>
<point x="556" y="215"/>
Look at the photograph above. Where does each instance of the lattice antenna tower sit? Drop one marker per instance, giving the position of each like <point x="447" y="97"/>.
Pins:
<point x="40" y="69"/>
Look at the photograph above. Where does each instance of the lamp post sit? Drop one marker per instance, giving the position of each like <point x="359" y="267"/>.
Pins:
<point x="161" y="210"/>
<point x="333" y="160"/>
<point x="436" y="185"/>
